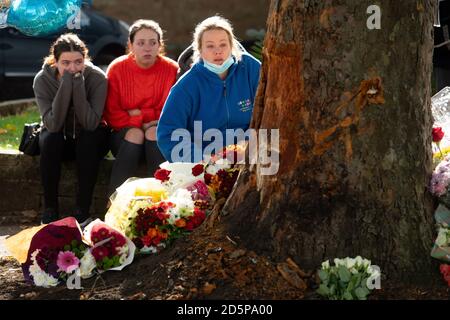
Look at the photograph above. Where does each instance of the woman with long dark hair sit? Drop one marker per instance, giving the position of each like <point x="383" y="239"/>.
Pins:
<point x="70" y="93"/>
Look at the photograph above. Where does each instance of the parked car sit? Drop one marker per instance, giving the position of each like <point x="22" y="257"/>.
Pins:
<point x="21" y="56"/>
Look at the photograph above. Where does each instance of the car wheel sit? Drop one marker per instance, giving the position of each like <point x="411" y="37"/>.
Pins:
<point x="103" y="60"/>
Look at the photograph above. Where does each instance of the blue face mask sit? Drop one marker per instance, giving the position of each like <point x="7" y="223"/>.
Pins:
<point x="219" y="69"/>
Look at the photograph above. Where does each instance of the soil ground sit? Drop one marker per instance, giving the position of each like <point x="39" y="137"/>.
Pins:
<point x="208" y="264"/>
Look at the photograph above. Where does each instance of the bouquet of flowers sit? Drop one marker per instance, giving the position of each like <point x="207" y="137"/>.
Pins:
<point x="347" y="279"/>
<point x="445" y="271"/>
<point x="441" y="248"/>
<point x="128" y="197"/>
<point x="188" y="176"/>
<point x="157" y="225"/>
<point x="222" y="170"/>
<point x="153" y="226"/>
<point x="440" y="180"/>
<point x="153" y="212"/>
<point x="110" y="248"/>
<point x="179" y="175"/>
<point x="54" y="252"/>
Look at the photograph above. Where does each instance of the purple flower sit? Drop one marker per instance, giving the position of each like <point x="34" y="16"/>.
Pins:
<point x="199" y="191"/>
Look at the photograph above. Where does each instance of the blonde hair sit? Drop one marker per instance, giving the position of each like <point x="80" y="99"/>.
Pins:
<point x="140" y="24"/>
<point x="214" y="23"/>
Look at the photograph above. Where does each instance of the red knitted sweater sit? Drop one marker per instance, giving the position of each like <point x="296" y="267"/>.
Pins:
<point x="132" y="87"/>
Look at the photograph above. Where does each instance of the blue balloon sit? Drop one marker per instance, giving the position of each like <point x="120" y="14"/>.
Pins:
<point x="42" y="17"/>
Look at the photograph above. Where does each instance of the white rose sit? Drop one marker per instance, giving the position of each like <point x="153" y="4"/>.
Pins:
<point x="326" y="265"/>
<point x="358" y="261"/>
<point x="366" y="263"/>
<point x="338" y="262"/>
<point x="441" y="239"/>
<point x="212" y="169"/>
<point x="353" y="270"/>
<point x="87" y="264"/>
<point x="349" y="262"/>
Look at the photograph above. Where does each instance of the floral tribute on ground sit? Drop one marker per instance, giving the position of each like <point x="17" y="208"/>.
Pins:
<point x="153" y="212"/>
<point x="52" y="253"/>
<point x="439" y="188"/>
<point x="146" y="215"/>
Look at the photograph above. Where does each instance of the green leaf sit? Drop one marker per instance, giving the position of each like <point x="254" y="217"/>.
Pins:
<point x="74" y="243"/>
<point x="351" y="285"/>
<point x="348" y="295"/>
<point x="323" y="275"/>
<point x="362" y="293"/>
<point x="357" y="279"/>
<point x="108" y="265"/>
<point x="344" y="274"/>
<point x="67" y="247"/>
<point x="76" y="252"/>
<point x="332" y="290"/>
<point x="354" y="282"/>
<point x="323" y="290"/>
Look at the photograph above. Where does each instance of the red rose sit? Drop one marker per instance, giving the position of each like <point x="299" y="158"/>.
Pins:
<point x="190" y="225"/>
<point x="208" y="178"/>
<point x="99" y="253"/>
<point x="445" y="271"/>
<point x="197" y="170"/>
<point x="438" y="134"/>
<point x="200" y="214"/>
<point x="147" y="240"/>
<point x="156" y="240"/>
<point x="162" y="216"/>
<point x="162" y="174"/>
<point x="117" y="240"/>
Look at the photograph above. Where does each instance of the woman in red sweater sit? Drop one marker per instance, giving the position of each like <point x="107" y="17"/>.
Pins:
<point x="138" y="85"/>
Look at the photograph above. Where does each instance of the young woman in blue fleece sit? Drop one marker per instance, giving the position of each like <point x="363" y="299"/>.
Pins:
<point x="218" y="92"/>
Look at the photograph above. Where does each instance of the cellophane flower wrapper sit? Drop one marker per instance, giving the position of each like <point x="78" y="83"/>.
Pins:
<point x="132" y="193"/>
<point x="42" y="266"/>
<point x="111" y="249"/>
<point x="441" y="247"/>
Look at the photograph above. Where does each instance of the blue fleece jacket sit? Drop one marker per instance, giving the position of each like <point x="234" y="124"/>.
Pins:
<point x="200" y="95"/>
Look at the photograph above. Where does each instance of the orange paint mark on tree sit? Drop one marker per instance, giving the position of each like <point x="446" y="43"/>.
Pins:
<point x="348" y="145"/>
<point x="322" y="140"/>
<point x="346" y="122"/>
<point x="369" y="92"/>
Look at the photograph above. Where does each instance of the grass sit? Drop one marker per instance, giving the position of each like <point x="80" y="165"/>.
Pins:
<point x="11" y="127"/>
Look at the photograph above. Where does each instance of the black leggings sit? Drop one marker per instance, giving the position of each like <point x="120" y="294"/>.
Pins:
<point x="88" y="148"/>
<point x="128" y="155"/>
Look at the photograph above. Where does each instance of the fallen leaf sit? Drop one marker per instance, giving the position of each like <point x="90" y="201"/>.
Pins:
<point x="208" y="288"/>
<point x="291" y="276"/>
<point x="138" y="296"/>
<point x="294" y="266"/>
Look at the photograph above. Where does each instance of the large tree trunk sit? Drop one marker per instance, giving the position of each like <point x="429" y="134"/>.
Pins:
<point x="354" y="163"/>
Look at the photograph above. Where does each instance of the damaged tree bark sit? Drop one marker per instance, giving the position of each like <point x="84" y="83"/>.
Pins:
<point x="352" y="106"/>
